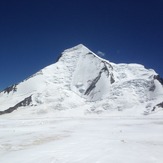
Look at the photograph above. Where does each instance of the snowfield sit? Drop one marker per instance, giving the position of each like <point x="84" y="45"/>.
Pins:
<point x="90" y="139"/>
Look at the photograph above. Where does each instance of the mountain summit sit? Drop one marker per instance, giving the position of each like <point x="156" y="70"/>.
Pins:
<point x="81" y="79"/>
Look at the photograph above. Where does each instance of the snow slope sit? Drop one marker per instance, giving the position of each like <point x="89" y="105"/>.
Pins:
<point x="81" y="78"/>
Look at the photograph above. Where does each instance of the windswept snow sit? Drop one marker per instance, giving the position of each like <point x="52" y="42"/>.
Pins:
<point x="81" y="140"/>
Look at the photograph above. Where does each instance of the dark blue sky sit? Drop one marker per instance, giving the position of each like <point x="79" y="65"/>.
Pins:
<point x="33" y="33"/>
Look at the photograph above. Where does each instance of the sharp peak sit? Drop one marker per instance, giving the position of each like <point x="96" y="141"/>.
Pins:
<point x="81" y="48"/>
<point x="77" y="47"/>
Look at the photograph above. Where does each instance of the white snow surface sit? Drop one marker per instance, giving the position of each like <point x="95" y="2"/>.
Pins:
<point x="84" y="109"/>
<point x="97" y="139"/>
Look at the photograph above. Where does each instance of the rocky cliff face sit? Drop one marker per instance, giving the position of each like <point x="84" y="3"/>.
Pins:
<point x="81" y="78"/>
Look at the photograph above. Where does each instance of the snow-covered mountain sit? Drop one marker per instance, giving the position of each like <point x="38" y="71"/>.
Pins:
<point x="81" y="80"/>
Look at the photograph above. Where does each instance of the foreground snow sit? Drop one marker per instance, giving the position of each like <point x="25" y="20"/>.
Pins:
<point x="89" y="139"/>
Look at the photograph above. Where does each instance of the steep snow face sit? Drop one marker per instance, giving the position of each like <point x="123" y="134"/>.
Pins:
<point x="90" y="77"/>
<point x="79" y="78"/>
<point x="85" y="73"/>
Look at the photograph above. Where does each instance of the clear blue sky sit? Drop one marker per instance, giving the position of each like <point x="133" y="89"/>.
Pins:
<point x="33" y="33"/>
